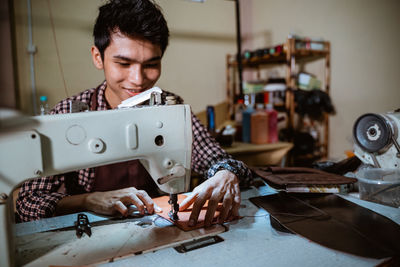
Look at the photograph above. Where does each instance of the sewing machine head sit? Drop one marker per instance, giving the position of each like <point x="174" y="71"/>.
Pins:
<point x="376" y="138"/>
<point x="160" y="136"/>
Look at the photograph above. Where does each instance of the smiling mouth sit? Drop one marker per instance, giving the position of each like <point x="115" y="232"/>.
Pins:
<point x="134" y="92"/>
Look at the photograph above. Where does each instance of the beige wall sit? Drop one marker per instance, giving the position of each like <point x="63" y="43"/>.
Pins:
<point x="364" y="36"/>
<point x="193" y="66"/>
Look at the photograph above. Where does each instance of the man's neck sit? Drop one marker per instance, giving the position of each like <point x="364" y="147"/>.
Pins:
<point x="111" y="99"/>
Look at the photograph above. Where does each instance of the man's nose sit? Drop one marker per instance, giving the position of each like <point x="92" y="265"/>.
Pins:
<point x="136" y="75"/>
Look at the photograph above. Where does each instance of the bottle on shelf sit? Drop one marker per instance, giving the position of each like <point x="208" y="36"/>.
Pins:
<point x="239" y="108"/>
<point x="279" y="49"/>
<point x="44" y="106"/>
<point x="272" y="124"/>
<point x="246" y="120"/>
<point x="259" y="125"/>
<point x="259" y="53"/>
<point x="272" y="117"/>
<point x="247" y="54"/>
<point x="272" y="50"/>
<point x="211" y="120"/>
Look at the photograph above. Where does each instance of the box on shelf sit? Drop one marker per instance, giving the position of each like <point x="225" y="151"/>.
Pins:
<point x="275" y="84"/>
<point x="310" y="43"/>
<point x="308" y="82"/>
<point x="253" y="87"/>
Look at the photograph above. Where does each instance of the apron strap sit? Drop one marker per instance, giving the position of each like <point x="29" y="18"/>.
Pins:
<point x="93" y="100"/>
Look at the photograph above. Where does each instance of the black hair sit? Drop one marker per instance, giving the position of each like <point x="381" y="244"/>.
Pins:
<point x="133" y="18"/>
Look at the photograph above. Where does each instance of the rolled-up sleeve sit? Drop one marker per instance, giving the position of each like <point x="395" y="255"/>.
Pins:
<point x="38" y="198"/>
<point x="208" y="157"/>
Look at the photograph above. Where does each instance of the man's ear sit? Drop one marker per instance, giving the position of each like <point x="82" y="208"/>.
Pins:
<point x="96" y="57"/>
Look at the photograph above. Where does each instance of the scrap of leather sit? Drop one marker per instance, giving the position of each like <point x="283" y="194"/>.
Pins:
<point x="334" y="222"/>
<point x="279" y="177"/>
<point x="184" y="216"/>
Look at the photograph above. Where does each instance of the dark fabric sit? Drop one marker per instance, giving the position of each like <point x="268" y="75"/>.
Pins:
<point x="71" y="184"/>
<point x="334" y="222"/>
<point x="342" y="167"/>
<point x="281" y="177"/>
<point x="123" y="175"/>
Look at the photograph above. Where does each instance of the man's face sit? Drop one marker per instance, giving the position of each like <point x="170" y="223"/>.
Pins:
<point x="130" y="66"/>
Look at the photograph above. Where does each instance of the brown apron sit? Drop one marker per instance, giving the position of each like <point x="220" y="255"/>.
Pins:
<point x="123" y="174"/>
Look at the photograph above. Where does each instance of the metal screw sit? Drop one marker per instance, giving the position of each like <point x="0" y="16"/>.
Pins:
<point x="37" y="172"/>
<point x="3" y="196"/>
<point x="170" y="100"/>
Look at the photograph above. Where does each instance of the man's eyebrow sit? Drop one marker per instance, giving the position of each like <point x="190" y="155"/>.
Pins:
<point x="156" y="58"/>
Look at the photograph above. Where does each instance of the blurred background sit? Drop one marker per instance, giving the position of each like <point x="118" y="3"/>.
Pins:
<point x="363" y="36"/>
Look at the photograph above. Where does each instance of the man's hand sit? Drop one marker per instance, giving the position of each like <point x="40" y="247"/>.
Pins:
<point x="111" y="202"/>
<point x="108" y="203"/>
<point x="222" y="187"/>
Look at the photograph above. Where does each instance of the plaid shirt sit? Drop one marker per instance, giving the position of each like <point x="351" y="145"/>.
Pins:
<point x="38" y="197"/>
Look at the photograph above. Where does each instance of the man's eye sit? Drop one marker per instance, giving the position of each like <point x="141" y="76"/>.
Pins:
<point x="152" y="65"/>
<point x="123" y="64"/>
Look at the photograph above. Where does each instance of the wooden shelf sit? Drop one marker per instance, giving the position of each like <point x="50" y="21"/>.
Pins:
<point x="259" y="155"/>
<point x="290" y="55"/>
<point x="300" y="54"/>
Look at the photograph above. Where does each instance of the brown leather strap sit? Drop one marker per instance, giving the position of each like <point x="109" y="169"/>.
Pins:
<point x="93" y="100"/>
<point x="281" y="177"/>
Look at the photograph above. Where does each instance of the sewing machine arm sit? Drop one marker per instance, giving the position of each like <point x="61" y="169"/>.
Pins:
<point x="160" y="136"/>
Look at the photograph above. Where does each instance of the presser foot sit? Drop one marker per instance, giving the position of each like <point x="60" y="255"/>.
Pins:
<point x="173" y="201"/>
<point x="173" y="215"/>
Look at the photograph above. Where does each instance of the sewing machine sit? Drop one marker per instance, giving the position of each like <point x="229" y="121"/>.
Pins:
<point x="159" y="135"/>
<point x="377" y="139"/>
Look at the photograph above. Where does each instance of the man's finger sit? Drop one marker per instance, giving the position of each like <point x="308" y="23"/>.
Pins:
<point x="157" y="208"/>
<point x="198" y="204"/>
<point x="212" y="206"/>
<point x="134" y="199"/>
<point x="121" y="208"/>
<point x="236" y="205"/>
<point x="226" y="207"/>
<point x="188" y="201"/>
<point x="147" y="201"/>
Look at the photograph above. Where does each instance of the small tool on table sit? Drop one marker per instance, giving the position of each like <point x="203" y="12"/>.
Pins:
<point x="82" y="225"/>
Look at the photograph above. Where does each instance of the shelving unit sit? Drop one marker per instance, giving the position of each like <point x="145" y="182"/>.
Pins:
<point x="289" y="56"/>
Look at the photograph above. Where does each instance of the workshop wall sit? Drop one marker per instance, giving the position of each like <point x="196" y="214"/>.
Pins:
<point x="193" y="66"/>
<point x="364" y="36"/>
<point x="73" y="21"/>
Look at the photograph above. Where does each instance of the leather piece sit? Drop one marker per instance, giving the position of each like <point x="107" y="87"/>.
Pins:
<point x="334" y="222"/>
<point x="184" y="216"/>
<point x="281" y="177"/>
<point x="350" y="164"/>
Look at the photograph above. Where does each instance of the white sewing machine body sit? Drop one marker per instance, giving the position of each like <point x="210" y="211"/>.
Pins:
<point x="160" y="136"/>
<point x="377" y="139"/>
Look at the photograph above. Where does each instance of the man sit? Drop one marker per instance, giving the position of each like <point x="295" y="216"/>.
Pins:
<point x="130" y="38"/>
